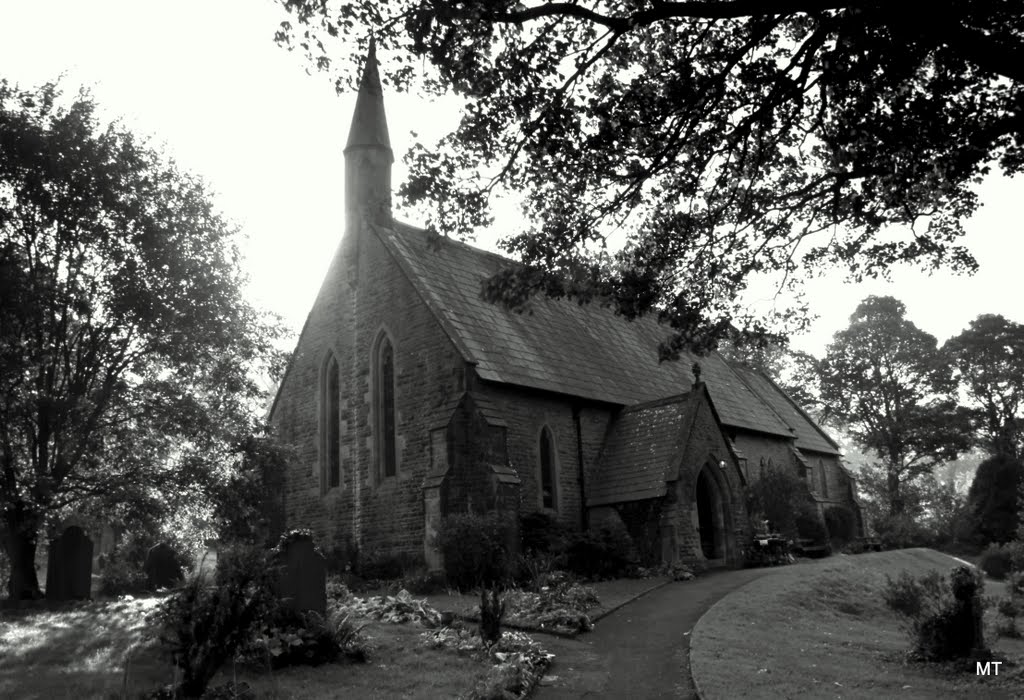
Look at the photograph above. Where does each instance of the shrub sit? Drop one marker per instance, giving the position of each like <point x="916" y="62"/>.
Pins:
<point x="542" y="533"/>
<point x="203" y="626"/>
<point x="386" y="566"/>
<point x="841" y="524"/>
<point x="996" y="561"/>
<point x="901" y="530"/>
<point x="306" y="638"/>
<point x="119" y="577"/>
<point x="778" y="496"/>
<point x="533" y="568"/>
<point x="476" y="549"/>
<point x="992" y="498"/>
<point x="603" y="554"/>
<point x="809" y="524"/>
<point x="492" y="609"/>
<point x="944" y="621"/>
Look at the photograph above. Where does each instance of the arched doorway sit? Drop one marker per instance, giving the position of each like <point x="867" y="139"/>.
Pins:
<point x="710" y="516"/>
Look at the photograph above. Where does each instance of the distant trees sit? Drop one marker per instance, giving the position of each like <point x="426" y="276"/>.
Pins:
<point x="989" y="361"/>
<point x="128" y="356"/>
<point x="887" y="382"/>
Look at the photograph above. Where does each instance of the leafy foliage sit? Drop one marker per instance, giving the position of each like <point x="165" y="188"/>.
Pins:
<point x="519" y="661"/>
<point x="203" y="626"/>
<point x="989" y="359"/>
<point x="721" y="139"/>
<point x="779" y="496"/>
<point x="944" y="619"/>
<point x="841" y="524"/>
<point x="395" y="609"/>
<point x="308" y="639"/>
<point x="542" y="532"/>
<point x="996" y="561"/>
<point x="601" y="554"/>
<point x="476" y="549"/>
<point x="885" y="379"/>
<point x="129" y="359"/>
<point x="993" y="496"/>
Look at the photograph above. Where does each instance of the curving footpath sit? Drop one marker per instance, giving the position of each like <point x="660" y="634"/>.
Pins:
<point x="642" y="650"/>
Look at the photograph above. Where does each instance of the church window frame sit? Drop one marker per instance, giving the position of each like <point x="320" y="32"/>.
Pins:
<point x="548" y="495"/>
<point x="823" y="471"/>
<point x="330" y="424"/>
<point x="385" y="420"/>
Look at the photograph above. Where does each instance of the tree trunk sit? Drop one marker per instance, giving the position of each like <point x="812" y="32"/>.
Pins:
<point x="895" y="498"/>
<point x="21" y="532"/>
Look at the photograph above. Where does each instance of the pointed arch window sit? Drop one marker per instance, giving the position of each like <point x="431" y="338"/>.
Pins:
<point x="331" y="425"/>
<point x="384" y="402"/>
<point x="824" y="478"/>
<point x="548" y="470"/>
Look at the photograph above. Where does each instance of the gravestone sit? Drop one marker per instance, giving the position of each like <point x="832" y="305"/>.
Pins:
<point x="207" y="566"/>
<point x="69" y="567"/>
<point x="162" y="567"/>
<point x="302" y="580"/>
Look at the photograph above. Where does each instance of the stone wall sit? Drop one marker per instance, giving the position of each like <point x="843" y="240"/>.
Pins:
<point x="373" y="514"/>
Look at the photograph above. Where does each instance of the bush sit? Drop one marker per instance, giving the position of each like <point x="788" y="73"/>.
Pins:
<point x="996" y="561"/>
<point x="292" y="639"/>
<point x="386" y="566"/>
<point x="119" y="577"/>
<point x="779" y="496"/>
<point x="542" y="533"/>
<point x="841" y="524"/>
<point x="809" y="525"/>
<point x="944" y="621"/>
<point x="992" y="498"/>
<point x="899" y="531"/>
<point x="604" y="554"/>
<point x="203" y="626"/>
<point x="476" y="549"/>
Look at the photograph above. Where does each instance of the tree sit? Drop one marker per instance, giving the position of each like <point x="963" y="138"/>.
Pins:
<point x="722" y="139"/>
<point x="992" y="499"/>
<point x="128" y="357"/>
<point x="989" y="359"/>
<point x="885" y="379"/>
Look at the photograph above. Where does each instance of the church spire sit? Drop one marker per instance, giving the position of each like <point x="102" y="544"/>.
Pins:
<point x="368" y="155"/>
<point x="369" y="123"/>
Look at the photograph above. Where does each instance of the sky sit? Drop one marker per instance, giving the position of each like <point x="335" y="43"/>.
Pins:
<point x="205" y="79"/>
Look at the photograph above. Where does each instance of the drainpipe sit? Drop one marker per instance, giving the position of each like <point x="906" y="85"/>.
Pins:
<point x="584" y="520"/>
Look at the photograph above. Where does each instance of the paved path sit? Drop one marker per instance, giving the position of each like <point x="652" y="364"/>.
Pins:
<point x="641" y="650"/>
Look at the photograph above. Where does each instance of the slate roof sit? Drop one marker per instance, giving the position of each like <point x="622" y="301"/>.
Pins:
<point x="808" y="435"/>
<point x="579" y="350"/>
<point x="640" y="452"/>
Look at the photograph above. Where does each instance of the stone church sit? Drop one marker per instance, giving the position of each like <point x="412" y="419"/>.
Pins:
<point x="409" y="397"/>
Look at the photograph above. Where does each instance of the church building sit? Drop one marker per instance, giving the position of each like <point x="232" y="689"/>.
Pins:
<point x="409" y="397"/>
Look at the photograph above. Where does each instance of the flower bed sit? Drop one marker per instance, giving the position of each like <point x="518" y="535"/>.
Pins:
<point x="518" y="661"/>
<point x="561" y="609"/>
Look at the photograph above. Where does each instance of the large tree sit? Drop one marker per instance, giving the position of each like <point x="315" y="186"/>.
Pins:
<point x="885" y="379"/>
<point x="720" y="139"/>
<point x="129" y="360"/>
<point x="989" y="359"/>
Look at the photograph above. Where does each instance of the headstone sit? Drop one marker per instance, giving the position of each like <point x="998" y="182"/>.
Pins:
<point x="207" y="566"/>
<point x="69" y="567"/>
<point x="162" y="567"/>
<point x="302" y="581"/>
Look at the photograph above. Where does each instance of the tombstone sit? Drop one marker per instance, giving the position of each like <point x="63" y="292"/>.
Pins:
<point x="206" y="568"/>
<point x="69" y="567"/>
<point x="302" y="580"/>
<point x="162" y="567"/>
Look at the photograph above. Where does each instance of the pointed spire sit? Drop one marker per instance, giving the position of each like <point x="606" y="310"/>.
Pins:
<point x="369" y="123"/>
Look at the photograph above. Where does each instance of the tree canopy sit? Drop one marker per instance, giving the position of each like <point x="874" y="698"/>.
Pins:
<point x="718" y="139"/>
<point x="887" y="381"/>
<point x="989" y="359"/>
<point x="129" y="361"/>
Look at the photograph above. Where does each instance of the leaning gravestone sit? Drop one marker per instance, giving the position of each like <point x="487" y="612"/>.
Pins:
<point x="69" y="569"/>
<point x="162" y="567"/>
<point x="302" y="579"/>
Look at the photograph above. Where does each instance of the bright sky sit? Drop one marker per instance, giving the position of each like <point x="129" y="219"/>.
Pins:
<point x="205" y="78"/>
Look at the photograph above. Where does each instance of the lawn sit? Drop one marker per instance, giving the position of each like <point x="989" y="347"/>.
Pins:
<point x="822" y="630"/>
<point x="80" y="651"/>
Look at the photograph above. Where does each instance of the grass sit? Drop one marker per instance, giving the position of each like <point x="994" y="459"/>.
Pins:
<point x="822" y="630"/>
<point x="96" y="650"/>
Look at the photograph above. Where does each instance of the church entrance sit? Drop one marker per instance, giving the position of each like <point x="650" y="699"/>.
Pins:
<point x="709" y="517"/>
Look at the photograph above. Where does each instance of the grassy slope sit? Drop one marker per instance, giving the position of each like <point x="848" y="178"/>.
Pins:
<point x="79" y="651"/>
<point x="821" y="630"/>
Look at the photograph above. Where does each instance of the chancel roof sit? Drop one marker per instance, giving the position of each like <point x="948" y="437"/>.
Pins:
<point x="557" y="345"/>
